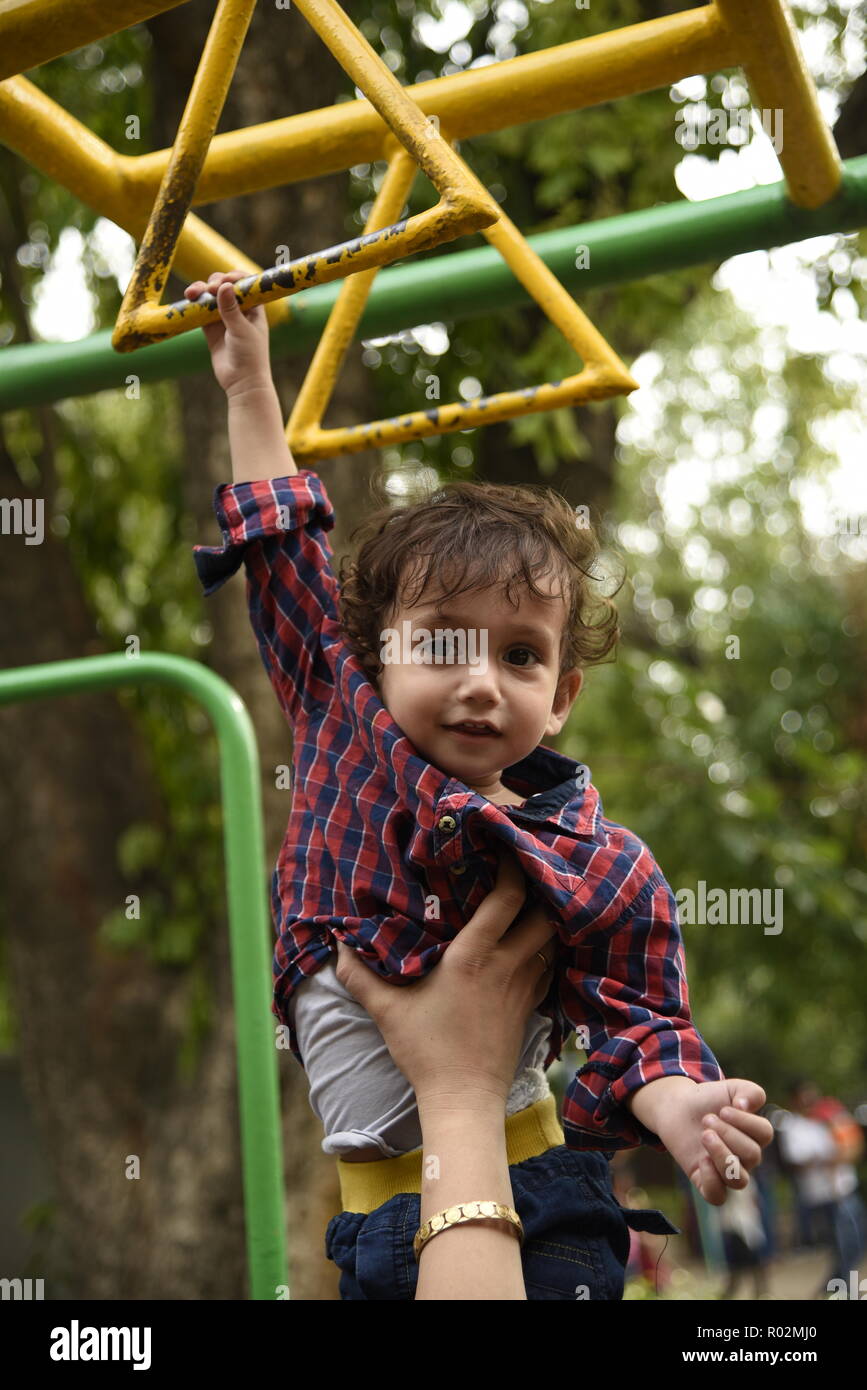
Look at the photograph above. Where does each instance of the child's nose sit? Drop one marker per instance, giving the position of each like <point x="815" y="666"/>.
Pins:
<point x="479" y="682"/>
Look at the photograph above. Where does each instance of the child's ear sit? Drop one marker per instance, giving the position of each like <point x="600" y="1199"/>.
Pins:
<point x="568" y="690"/>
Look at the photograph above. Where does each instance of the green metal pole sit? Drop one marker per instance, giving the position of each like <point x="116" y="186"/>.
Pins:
<point x="249" y="920"/>
<point x="460" y="284"/>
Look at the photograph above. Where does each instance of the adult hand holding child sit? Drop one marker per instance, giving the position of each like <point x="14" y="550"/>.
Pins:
<point x="456" y="1035"/>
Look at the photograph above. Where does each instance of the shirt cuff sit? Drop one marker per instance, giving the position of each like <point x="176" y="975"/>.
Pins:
<point x="595" y="1114"/>
<point x="593" y="1118"/>
<point x="247" y="512"/>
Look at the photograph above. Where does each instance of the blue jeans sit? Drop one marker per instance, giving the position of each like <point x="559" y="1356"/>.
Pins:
<point x="576" y="1234"/>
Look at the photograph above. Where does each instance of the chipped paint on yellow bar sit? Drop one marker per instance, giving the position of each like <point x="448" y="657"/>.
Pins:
<point x="151" y="196"/>
<point x="604" y="374"/>
<point x="165" y="225"/>
<point x="590" y="385"/>
<point x="465" y="206"/>
<point x="151" y="322"/>
<point x="45" y="134"/>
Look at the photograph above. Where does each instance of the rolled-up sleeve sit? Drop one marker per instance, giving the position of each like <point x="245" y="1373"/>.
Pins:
<point x="276" y="528"/>
<point x="626" y="987"/>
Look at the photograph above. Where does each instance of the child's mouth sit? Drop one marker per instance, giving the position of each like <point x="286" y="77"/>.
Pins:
<point x="466" y="732"/>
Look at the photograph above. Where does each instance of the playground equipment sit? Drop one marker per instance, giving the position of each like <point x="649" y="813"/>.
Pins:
<point x="418" y="127"/>
<point x="628" y="247"/>
<point x="389" y="125"/>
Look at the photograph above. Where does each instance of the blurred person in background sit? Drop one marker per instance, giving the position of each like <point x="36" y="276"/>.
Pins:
<point x="819" y="1141"/>
<point x="744" y="1240"/>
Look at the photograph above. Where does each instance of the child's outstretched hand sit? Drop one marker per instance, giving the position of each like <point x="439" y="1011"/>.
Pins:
<point x="712" y="1131"/>
<point x="238" y="341"/>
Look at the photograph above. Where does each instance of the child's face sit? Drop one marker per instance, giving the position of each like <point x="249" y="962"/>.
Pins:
<point x="518" y="689"/>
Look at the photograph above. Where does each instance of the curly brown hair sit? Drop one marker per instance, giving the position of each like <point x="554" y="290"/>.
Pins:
<point x="494" y="535"/>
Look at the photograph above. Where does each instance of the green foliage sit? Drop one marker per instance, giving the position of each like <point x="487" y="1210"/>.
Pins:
<point x="132" y="546"/>
<point x="102" y="85"/>
<point x="737" y="764"/>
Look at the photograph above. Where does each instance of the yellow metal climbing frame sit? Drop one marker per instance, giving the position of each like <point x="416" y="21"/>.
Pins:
<point x="408" y="128"/>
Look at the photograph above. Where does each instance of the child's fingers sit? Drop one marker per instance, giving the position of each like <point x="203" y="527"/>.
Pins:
<point x="230" y="307"/>
<point x="226" y="277"/>
<point x="746" y="1150"/>
<point x="721" y="1155"/>
<point x="214" y="281"/>
<point x="756" y="1126"/>
<point x="745" y="1095"/>
<point x="199" y="287"/>
<point x="708" y="1183"/>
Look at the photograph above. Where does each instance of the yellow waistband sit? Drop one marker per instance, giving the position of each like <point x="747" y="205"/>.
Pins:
<point x="365" y="1186"/>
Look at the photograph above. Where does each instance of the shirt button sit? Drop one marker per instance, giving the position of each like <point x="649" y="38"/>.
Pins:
<point x="459" y="868"/>
<point x="448" y="823"/>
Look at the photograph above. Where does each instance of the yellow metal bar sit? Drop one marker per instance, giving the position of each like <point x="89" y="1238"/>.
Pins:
<point x="402" y="116"/>
<point x="44" y="133"/>
<point x="47" y="136"/>
<point x="33" y="32"/>
<point x="465" y="205"/>
<point x="201" y="114"/>
<point x="604" y="375"/>
<point x="779" y="80"/>
<point x="572" y="77"/>
<point x="557" y="304"/>
<point x="204" y="168"/>
<point x="334" y="138"/>
<point x="589" y="385"/>
<point x="315" y="392"/>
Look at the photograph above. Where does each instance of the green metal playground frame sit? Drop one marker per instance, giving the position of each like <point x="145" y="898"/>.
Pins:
<point x="249" y="920"/>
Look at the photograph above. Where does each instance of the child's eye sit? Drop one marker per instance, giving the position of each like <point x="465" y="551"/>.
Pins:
<point x="436" y="648"/>
<point x="524" y="651"/>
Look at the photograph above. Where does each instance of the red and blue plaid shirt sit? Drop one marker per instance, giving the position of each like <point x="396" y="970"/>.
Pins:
<point x="391" y="855"/>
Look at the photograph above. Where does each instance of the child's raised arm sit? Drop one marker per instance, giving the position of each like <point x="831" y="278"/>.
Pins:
<point x="238" y="345"/>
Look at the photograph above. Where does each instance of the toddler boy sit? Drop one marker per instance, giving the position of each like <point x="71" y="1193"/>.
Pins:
<point x="408" y="776"/>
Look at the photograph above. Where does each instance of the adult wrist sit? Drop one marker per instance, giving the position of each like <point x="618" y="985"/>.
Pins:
<point x="465" y="1104"/>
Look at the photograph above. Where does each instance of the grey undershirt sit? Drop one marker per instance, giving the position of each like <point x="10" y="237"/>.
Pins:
<point x="357" y="1092"/>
